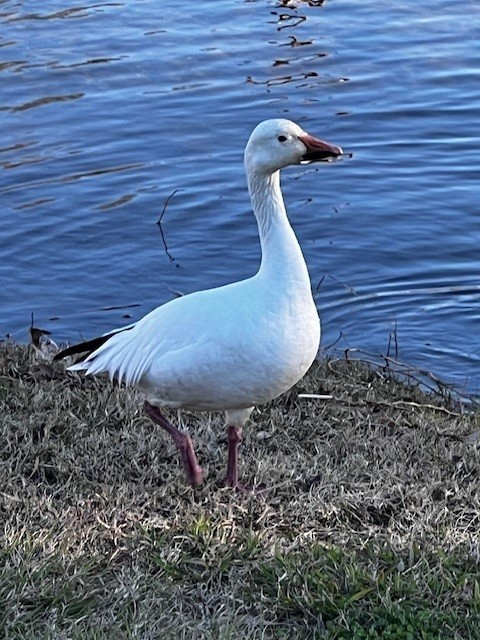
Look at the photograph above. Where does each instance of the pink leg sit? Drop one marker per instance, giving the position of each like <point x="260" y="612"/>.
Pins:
<point x="234" y="439"/>
<point x="182" y="440"/>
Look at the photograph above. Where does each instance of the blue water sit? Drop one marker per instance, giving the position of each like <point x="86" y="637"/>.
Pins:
<point x="106" y="110"/>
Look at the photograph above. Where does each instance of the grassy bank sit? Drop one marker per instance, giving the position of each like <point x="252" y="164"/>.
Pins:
<point x="369" y="526"/>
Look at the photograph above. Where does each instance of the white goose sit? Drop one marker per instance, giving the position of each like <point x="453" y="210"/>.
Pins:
<point x="233" y="347"/>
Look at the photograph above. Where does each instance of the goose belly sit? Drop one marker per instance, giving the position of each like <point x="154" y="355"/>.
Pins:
<point x="238" y="370"/>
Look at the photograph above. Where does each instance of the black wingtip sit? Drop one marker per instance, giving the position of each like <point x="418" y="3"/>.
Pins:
<point x="87" y="348"/>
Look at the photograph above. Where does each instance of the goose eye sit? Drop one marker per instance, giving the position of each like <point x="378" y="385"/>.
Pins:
<point x="282" y="138"/>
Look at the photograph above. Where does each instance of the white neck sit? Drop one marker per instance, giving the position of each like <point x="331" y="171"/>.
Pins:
<point x="282" y="258"/>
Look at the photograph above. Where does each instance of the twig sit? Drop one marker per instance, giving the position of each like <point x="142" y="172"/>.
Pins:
<point x="159" y="224"/>
<point x="394" y="404"/>
<point x="420" y="376"/>
<point x="419" y="405"/>
<point x="319" y="283"/>
<point x="336" y="341"/>
<point x="401" y="369"/>
<point x="316" y="396"/>
<point x="393" y="335"/>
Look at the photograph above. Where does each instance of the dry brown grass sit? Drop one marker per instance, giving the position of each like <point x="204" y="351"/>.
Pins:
<point x="370" y="519"/>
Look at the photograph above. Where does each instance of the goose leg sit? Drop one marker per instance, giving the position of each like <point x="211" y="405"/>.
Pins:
<point x="234" y="439"/>
<point x="183" y="442"/>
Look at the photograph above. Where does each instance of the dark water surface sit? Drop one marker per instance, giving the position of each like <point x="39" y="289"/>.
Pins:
<point x="107" y="109"/>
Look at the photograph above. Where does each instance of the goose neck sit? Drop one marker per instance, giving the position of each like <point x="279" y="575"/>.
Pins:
<point x="281" y="253"/>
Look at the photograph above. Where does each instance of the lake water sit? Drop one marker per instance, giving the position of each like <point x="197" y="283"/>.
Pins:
<point x="107" y="109"/>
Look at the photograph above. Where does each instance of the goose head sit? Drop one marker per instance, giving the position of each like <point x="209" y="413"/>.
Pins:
<point x="275" y="144"/>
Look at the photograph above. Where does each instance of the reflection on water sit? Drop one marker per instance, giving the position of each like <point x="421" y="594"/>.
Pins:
<point x="61" y="14"/>
<point x="107" y="110"/>
<point x="46" y="100"/>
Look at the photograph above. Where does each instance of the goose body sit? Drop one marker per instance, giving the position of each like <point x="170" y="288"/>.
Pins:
<point x="237" y="346"/>
<point x="222" y="349"/>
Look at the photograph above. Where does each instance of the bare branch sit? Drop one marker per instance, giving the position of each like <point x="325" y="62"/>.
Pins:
<point x="159" y="224"/>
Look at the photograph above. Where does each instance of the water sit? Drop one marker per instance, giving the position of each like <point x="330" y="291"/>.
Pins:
<point x="107" y="109"/>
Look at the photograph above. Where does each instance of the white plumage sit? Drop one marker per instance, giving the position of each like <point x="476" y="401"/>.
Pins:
<point x="236" y="346"/>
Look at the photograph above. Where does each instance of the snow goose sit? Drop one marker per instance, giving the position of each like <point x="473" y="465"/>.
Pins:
<point x="236" y="346"/>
